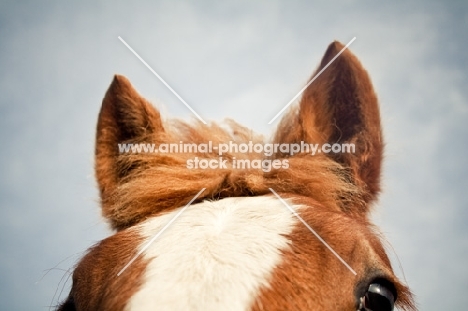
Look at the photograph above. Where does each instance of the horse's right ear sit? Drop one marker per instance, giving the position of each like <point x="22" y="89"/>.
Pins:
<point x="125" y="117"/>
<point x="340" y="106"/>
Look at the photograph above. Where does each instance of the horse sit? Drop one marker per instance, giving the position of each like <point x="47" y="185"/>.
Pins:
<point x="289" y="231"/>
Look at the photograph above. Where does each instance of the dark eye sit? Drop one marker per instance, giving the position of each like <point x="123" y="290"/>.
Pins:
<point x="377" y="298"/>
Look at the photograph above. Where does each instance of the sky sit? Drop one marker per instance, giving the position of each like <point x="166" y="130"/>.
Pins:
<point x="239" y="59"/>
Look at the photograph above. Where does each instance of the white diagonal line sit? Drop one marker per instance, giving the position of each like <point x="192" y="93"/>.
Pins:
<point x="312" y="80"/>
<point x="159" y="233"/>
<point x="162" y="80"/>
<point x="313" y="231"/>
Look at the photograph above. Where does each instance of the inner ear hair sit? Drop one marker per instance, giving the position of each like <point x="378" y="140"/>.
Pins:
<point x="340" y="107"/>
<point x="125" y="117"/>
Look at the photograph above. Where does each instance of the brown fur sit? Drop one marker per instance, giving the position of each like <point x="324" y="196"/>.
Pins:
<point x="312" y="278"/>
<point x="95" y="281"/>
<point x="339" y="106"/>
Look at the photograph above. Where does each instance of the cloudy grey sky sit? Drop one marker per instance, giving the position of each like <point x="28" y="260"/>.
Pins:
<point x="239" y="59"/>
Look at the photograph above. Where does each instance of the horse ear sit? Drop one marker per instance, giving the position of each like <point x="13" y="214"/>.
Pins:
<point x="125" y="117"/>
<point x="340" y="106"/>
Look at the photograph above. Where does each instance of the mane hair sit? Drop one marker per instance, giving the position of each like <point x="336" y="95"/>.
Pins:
<point x="137" y="198"/>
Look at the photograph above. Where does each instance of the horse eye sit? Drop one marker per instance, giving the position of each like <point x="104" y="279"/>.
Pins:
<point x="378" y="298"/>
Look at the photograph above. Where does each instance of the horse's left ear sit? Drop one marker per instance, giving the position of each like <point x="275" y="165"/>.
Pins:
<point x="125" y="117"/>
<point x="340" y="106"/>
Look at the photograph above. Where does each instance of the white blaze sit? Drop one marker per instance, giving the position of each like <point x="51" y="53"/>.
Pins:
<point x="215" y="256"/>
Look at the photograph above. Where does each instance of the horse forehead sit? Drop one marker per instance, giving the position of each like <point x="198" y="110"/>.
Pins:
<point x="214" y="256"/>
<point x="237" y="217"/>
